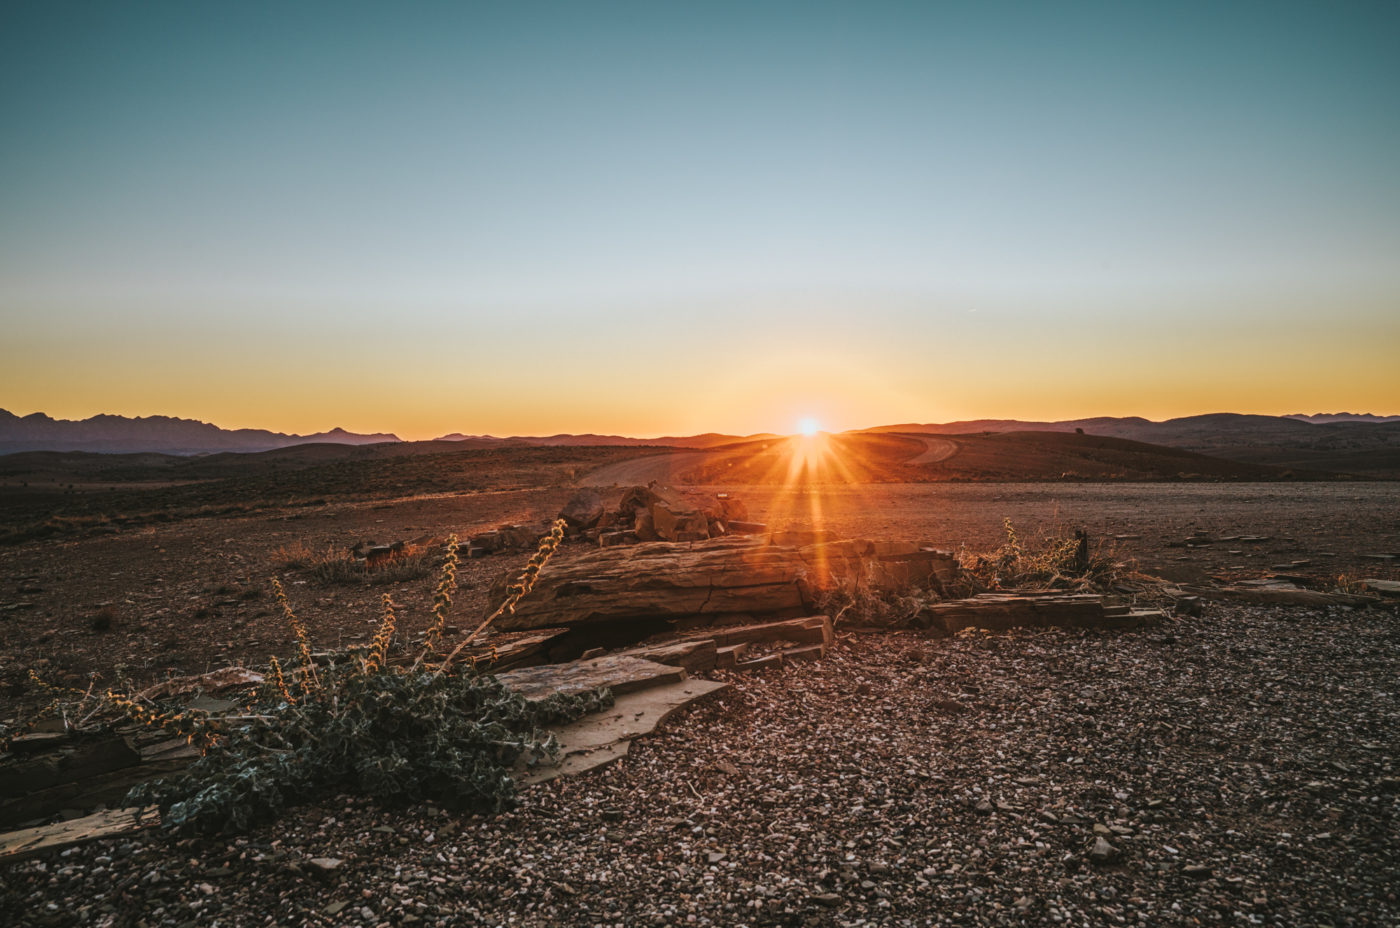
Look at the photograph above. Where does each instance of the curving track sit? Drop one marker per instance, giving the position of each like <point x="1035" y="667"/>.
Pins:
<point x="935" y="450"/>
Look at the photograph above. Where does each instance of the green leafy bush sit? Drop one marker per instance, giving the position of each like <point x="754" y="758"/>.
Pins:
<point x="361" y="724"/>
<point x="395" y="735"/>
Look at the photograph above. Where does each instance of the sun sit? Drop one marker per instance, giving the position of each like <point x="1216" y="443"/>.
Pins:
<point x="808" y="426"/>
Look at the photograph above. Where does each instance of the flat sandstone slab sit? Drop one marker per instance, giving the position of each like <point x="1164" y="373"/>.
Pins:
<point x="17" y="845"/>
<point x="618" y="672"/>
<point x="1001" y="611"/>
<point x="604" y="737"/>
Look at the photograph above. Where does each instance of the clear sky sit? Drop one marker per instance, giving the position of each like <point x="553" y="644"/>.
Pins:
<point x="657" y="218"/>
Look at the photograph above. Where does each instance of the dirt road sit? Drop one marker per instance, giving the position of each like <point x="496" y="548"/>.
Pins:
<point x="937" y="449"/>
<point x="663" y="468"/>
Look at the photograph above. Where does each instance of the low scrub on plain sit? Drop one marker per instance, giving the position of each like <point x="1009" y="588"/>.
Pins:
<point x="1056" y="561"/>
<point x="333" y="565"/>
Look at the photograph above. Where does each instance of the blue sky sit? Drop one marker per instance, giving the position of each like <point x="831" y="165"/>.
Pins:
<point x="570" y="217"/>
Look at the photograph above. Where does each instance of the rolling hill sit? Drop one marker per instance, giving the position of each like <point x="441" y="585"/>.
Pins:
<point x="1363" y="448"/>
<point x="158" y="434"/>
<point x="890" y="457"/>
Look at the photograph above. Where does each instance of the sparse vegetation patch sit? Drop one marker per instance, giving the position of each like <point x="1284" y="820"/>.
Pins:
<point x="1060" y="562"/>
<point x="364" y="722"/>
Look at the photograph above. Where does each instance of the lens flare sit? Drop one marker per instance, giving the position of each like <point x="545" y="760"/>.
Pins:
<point x="809" y="426"/>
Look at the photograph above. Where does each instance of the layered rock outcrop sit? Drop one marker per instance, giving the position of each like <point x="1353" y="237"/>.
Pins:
<point x="748" y="576"/>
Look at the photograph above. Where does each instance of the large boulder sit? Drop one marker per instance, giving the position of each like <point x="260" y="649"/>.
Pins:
<point x="679" y="522"/>
<point x="637" y="499"/>
<point x="644" y="526"/>
<point x="661" y="513"/>
<point x="732" y="510"/>
<point x="583" y="510"/>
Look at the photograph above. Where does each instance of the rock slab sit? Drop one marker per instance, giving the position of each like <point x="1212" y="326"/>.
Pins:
<point x="603" y="737"/>
<point x="713" y="578"/>
<point x="619" y="672"/>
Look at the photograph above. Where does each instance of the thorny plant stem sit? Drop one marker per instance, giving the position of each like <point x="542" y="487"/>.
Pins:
<point x="526" y="582"/>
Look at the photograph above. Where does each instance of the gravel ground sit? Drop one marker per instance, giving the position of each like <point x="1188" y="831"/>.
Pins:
<point x="1239" y="768"/>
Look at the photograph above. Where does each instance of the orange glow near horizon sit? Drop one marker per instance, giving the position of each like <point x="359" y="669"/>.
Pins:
<point x="808" y="454"/>
<point x="808" y="463"/>
<point x="284" y="385"/>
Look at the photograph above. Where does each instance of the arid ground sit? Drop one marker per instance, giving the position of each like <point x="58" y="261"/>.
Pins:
<point x="1255" y="743"/>
<point x="192" y="595"/>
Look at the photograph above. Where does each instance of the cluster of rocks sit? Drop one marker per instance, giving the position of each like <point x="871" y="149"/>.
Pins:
<point x="504" y="538"/>
<point x="62" y="769"/>
<point x="654" y="513"/>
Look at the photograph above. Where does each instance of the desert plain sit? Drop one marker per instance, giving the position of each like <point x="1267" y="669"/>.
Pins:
<point x="1239" y="764"/>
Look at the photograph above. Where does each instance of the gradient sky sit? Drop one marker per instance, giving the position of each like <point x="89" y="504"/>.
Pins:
<point x="659" y="218"/>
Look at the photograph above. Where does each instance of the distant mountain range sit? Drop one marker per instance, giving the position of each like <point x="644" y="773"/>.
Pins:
<point x="1342" y="417"/>
<point x="1355" y="443"/>
<point x="162" y="434"/>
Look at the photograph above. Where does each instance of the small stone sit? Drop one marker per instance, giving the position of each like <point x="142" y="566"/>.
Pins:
<point x="335" y="908"/>
<point x="325" y="866"/>
<point x="1188" y="605"/>
<point x="827" y="899"/>
<point x="1197" y="871"/>
<point x="1102" y="852"/>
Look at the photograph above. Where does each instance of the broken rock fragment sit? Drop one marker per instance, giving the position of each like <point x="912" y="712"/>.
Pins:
<point x="583" y="510"/>
<point x="675" y="521"/>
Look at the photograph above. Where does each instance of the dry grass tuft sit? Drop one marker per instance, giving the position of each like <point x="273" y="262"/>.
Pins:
<point x="337" y="566"/>
<point x="1057" y="562"/>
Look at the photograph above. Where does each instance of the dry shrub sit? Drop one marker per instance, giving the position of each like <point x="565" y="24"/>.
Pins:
<point x="294" y="556"/>
<point x="337" y="566"/>
<point x="1055" y="561"/>
<point x="862" y="607"/>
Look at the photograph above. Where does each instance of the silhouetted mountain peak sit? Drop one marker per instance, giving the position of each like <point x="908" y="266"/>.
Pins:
<point x="163" y="434"/>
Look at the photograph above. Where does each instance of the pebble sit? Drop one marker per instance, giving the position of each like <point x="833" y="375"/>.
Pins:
<point x="1102" y="852"/>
